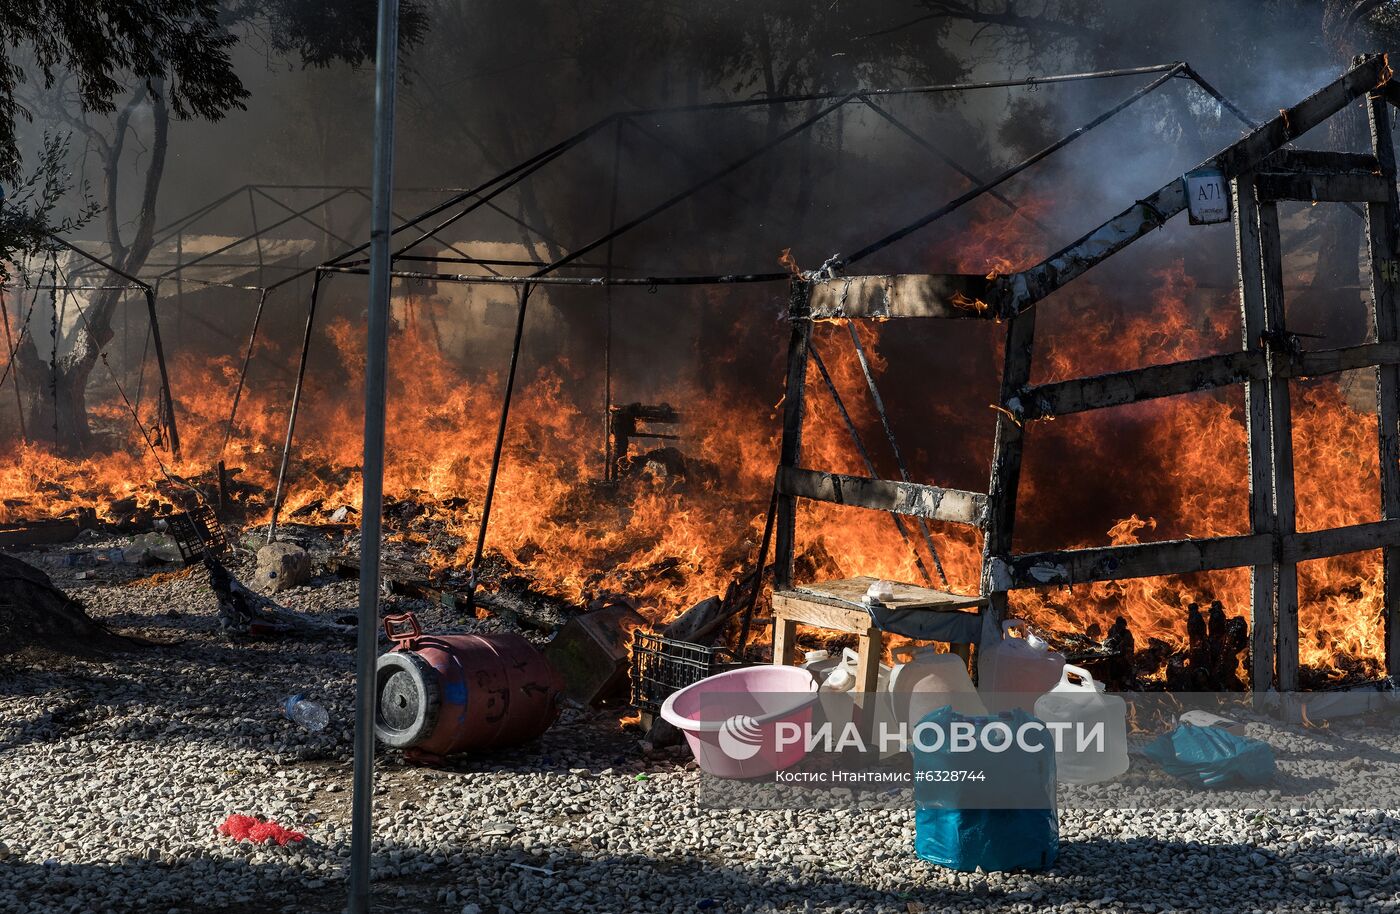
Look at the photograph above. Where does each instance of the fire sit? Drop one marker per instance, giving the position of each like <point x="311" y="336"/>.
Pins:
<point x="1156" y="470"/>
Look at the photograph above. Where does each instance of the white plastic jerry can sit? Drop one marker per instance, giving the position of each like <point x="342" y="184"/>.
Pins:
<point x="925" y="680"/>
<point x="820" y="664"/>
<point x="1093" y="744"/>
<point x="1012" y="672"/>
<point x="843" y="677"/>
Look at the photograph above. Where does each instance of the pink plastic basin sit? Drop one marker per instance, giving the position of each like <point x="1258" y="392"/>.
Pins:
<point x="731" y="719"/>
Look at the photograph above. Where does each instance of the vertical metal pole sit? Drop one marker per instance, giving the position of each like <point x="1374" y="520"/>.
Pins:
<point x="164" y="375"/>
<point x="243" y="373"/>
<point x="500" y="442"/>
<point x="296" y="404"/>
<point x="180" y="284"/>
<point x="257" y="236"/>
<point x="54" y="329"/>
<point x="372" y="477"/>
<point x="609" y="459"/>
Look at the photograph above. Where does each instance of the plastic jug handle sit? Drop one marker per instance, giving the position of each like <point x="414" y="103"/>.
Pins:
<point x="908" y="651"/>
<point x="1086" y="678"/>
<point x="1011" y="625"/>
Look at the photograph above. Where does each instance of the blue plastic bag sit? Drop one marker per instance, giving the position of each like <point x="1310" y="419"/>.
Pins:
<point x="1212" y="757"/>
<point x="1004" y="820"/>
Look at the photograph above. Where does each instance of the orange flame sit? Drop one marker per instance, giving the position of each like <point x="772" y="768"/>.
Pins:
<point x="1177" y="465"/>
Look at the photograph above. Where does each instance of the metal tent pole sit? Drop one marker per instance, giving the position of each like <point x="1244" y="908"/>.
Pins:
<point x="280" y="492"/>
<point x="500" y="444"/>
<point x="243" y="373"/>
<point x="609" y="457"/>
<point x="372" y="477"/>
<point x="164" y="374"/>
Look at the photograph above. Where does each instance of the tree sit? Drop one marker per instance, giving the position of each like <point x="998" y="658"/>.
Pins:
<point x="116" y="73"/>
<point x="177" y="55"/>
<point x="27" y="218"/>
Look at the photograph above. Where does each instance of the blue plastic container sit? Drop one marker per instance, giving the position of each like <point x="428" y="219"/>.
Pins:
<point x="990" y="807"/>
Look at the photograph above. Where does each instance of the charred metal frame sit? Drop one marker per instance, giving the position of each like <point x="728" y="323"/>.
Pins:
<point x="168" y="412"/>
<point x="465" y="202"/>
<point x="1262" y="172"/>
<point x="629" y="421"/>
<point x="1264" y="364"/>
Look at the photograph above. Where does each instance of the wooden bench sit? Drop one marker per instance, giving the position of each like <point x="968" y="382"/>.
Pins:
<point x="837" y="605"/>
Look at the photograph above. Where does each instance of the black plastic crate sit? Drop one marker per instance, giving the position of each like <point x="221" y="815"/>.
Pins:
<point x="661" y="666"/>
<point x="197" y="532"/>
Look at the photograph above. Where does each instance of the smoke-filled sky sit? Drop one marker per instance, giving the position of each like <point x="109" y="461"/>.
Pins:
<point x="491" y="83"/>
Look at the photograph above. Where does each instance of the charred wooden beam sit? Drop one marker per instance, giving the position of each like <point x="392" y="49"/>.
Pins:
<point x="1390" y="92"/>
<point x="1330" y="361"/>
<point x="945" y="295"/>
<point x="1023" y="289"/>
<point x="45" y="532"/>
<point x="1139" y="560"/>
<point x="1142" y="560"/>
<point x="951" y="505"/>
<point x="1121" y="387"/>
<point x="794" y="410"/>
<point x="1357" y="163"/>
<point x="1320" y="187"/>
<point x="1321" y="544"/>
<point x="1005" y="481"/>
<point x="1280" y="444"/>
<point x="1256" y="408"/>
<point x="1383" y="238"/>
<point x="1062" y="398"/>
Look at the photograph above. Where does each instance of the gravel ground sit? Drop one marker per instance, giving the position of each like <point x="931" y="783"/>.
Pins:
<point x="114" y="774"/>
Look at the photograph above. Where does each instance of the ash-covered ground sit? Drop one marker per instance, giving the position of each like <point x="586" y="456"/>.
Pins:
<point x="115" y="771"/>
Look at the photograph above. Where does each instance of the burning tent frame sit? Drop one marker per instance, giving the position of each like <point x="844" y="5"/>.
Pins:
<point x="463" y="204"/>
<point x="165" y="409"/>
<point x="1261" y="173"/>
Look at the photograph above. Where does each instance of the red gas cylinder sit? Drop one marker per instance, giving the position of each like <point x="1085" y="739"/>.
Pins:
<point x="443" y="694"/>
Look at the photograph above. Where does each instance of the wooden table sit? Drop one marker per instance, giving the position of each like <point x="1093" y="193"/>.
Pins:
<point x="837" y="605"/>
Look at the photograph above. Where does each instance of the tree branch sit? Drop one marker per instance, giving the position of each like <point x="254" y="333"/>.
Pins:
<point x="1007" y="18"/>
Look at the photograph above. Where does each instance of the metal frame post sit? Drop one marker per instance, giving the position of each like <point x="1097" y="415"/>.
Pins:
<point x="292" y="413"/>
<point x="164" y="374"/>
<point x="372" y="475"/>
<point x="500" y="440"/>
<point x="609" y="458"/>
<point x="243" y="372"/>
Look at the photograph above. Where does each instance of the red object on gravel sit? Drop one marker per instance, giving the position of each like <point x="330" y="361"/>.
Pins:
<point x="259" y="831"/>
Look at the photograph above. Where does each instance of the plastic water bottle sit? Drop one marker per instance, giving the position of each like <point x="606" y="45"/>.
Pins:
<point x="307" y="714"/>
